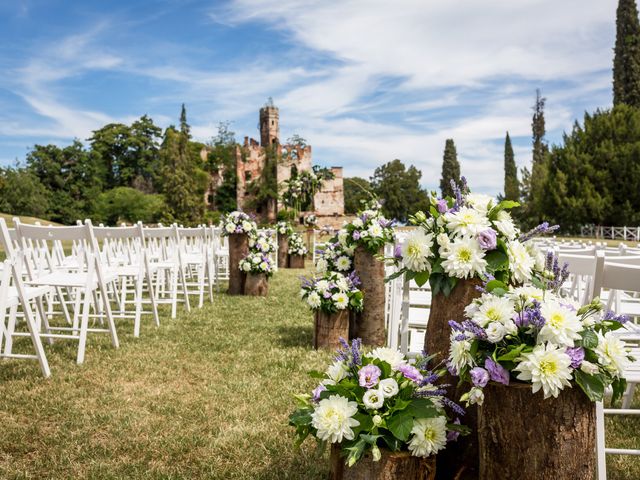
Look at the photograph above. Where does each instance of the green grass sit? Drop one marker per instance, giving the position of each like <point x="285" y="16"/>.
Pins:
<point x="204" y="396"/>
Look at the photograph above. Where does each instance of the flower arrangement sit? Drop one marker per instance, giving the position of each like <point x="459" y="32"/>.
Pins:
<point x="257" y="263"/>
<point x="335" y="256"/>
<point x="332" y="292"/>
<point x="310" y="220"/>
<point x="468" y="236"/>
<point x="262" y="242"/>
<point x="368" y="401"/>
<point x="296" y="245"/>
<point x="538" y="337"/>
<point x="284" y="228"/>
<point x="238" y="222"/>
<point x="299" y="190"/>
<point x="370" y="229"/>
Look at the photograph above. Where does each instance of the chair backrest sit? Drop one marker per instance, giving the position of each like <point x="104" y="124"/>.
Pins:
<point x="615" y="276"/>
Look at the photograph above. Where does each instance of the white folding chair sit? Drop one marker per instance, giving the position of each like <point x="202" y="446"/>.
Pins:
<point x="194" y="258"/>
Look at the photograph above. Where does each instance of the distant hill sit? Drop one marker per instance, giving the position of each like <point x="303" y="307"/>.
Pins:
<point x="9" y="219"/>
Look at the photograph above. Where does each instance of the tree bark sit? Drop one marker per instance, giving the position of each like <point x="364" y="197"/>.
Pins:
<point x="238" y="249"/>
<point x="524" y="436"/>
<point x="329" y="327"/>
<point x="460" y="459"/>
<point x="370" y="326"/>
<point x="256" y="285"/>
<point x="392" y="466"/>
<point x="283" y="251"/>
<point x="296" y="261"/>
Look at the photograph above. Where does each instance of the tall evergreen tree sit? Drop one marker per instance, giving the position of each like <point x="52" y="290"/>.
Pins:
<point x="511" y="183"/>
<point x="626" y="61"/>
<point x="450" y="168"/>
<point x="538" y="128"/>
<point x="399" y="189"/>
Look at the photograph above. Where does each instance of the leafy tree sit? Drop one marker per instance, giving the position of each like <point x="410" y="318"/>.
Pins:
<point x="399" y="189"/>
<point x="626" y="61"/>
<point x="125" y="204"/>
<point x="450" y="168"/>
<point x="22" y="193"/>
<point x="511" y="183"/>
<point x="297" y="141"/>
<point x="263" y="191"/>
<point x="221" y="160"/>
<point x="356" y="190"/>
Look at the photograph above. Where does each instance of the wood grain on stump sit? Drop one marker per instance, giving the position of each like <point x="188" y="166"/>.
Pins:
<point x="296" y="261"/>
<point x="256" y="285"/>
<point x="460" y="459"/>
<point x="238" y="249"/>
<point x="524" y="436"/>
<point x="283" y="249"/>
<point x="329" y="327"/>
<point x="392" y="466"/>
<point x="370" y="322"/>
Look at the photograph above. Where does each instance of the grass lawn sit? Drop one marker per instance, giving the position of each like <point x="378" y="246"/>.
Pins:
<point x="204" y="396"/>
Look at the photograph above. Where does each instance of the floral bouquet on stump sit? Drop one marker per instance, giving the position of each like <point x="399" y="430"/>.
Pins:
<point x="310" y="220"/>
<point x="370" y="230"/>
<point x="297" y="251"/>
<point x="238" y="226"/>
<point x="335" y="256"/>
<point x="258" y="267"/>
<point x="238" y="222"/>
<point x="284" y="228"/>
<point x="262" y="242"/>
<point x="376" y="405"/>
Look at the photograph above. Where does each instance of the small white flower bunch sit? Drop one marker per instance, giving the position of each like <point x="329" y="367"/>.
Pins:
<point x="332" y="292"/>
<point x="366" y="401"/>
<point x="296" y="245"/>
<point x="261" y="241"/>
<point x="257" y="263"/>
<point x="237" y="222"/>
<point x="284" y="228"/>
<point x="310" y="220"/>
<point x="532" y="335"/>
<point x="369" y="229"/>
<point x="335" y="255"/>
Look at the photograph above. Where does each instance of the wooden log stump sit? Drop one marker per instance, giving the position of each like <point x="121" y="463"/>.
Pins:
<point x="392" y="466"/>
<point x="256" y="284"/>
<point x="460" y="459"/>
<point x="329" y="327"/>
<point x="370" y="322"/>
<point x="524" y="436"/>
<point x="296" y="261"/>
<point x="309" y="232"/>
<point x="283" y="249"/>
<point x="238" y="249"/>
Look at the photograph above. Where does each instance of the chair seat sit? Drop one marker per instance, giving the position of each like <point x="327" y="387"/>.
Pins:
<point x="65" y="279"/>
<point x="30" y="293"/>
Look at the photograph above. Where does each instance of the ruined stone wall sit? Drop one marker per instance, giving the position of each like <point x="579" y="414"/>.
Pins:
<point x="250" y="160"/>
<point x="330" y="200"/>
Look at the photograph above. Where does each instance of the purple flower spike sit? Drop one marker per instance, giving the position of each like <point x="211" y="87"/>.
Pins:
<point x="487" y="239"/>
<point x="479" y="377"/>
<point x="442" y="206"/>
<point x="369" y="376"/>
<point x="497" y="372"/>
<point x="397" y="252"/>
<point x="576" y="354"/>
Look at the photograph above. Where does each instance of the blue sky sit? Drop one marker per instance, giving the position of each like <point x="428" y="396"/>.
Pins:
<point x="363" y="81"/>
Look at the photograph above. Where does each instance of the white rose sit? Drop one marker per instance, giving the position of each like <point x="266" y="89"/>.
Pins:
<point x="388" y="387"/>
<point x="357" y="223"/>
<point x="373" y="399"/>
<point x="495" y="332"/>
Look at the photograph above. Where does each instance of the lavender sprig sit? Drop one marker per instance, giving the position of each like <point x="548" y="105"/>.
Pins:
<point x="541" y="229"/>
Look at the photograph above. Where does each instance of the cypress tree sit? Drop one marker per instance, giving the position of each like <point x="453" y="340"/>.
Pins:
<point x="511" y="183"/>
<point x="538" y="128"/>
<point x="450" y="168"/>
<point x="626" y="60"/>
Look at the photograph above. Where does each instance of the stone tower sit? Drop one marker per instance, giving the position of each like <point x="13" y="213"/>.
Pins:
<point x="269" y="124"/>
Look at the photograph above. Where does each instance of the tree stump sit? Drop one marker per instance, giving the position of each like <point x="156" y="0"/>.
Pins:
<point x="309" y="232"/>
<point x="370" y="322"/>
<point x="392" y="466"/>
<point x="329" y="327"/>
<point x="460" y="459"/>
<point x="256" y="284"/>
<point x="283" y="248"/>
<point x="296" y="261"/>
<point x="238" y="249"/>
<point x="524" y="436"/>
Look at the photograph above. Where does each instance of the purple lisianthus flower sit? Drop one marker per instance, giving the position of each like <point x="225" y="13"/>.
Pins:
<point x="356" y="235"/>
<point x="487" y="239"/>
<point x="410" y="372"/>
<point x="479" y="377"/>
<point x="497" y="372"/>
<point x="452" y="435"/>
<point x="369" y="376"/>
<point x="397" y="252"/>
<point x="576" y="354"/>
<point x="327" y="294"/>
<point x="442" y="206"/>
<point x="317" y="391"/>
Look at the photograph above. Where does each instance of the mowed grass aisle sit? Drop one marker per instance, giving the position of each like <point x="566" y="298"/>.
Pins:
<point x="204" y="396"/>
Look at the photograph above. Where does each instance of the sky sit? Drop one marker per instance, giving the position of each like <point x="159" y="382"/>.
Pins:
<point x="364" y="81"/>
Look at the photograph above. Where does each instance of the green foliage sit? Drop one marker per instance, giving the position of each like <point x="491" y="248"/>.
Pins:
<point x="22" y="193"/>
<point x="264" y="190"/>
<point x="626" y="62"/>
<point x="297" y="141"/>
<point x="356" y="190"/>
<point x="450" y="169"/>
<point x="126" y="204"/>
<point x="511" y="183"/>
<point x="221" y="160"/>
<point x="399" y="189"/>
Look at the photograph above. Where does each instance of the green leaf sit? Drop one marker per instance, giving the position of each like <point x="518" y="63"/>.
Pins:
<point x="393" y="443"/>
<point x="421" y="278"/>
<point x="394" y="275"/>
<point x="591" y="385"/>
<point x="495" y="284"/>
<point x="400" y="425"/>
<point x="366" y="424"/>
<point x="619" y="385"/>
<point x="589" y="339"/>
<point x="316" y="374"/>
<point x="422" y="408"/>
<point x="497" y="260"/>
<point x="301" y="417"/>
<point x="435" y="282"/>
<point x="513" y="352"/>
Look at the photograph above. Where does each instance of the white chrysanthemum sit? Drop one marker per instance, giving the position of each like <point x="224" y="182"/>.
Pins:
<point x="342" y="237"/>
<point x="463" y="258"/>
<point x="321" y="265"/>
<point x="246" y="266"/>
<point x="495" y="332"/>
<point x="357" y="222"/>
<point x="342" y="284"/>
<point x="373" y="399"/>
<point x="322" y="286"/>
<point x="528" y="292"/>
<point x="443" y="240"/>
<point x="341" y="300"/>
<point x="350" y="250"/>
<point x="481" y="202"/>
<point x="548" y="367"/>
<point x="460" y="353"/>
<point x="375" y="230"/>
<point x="343" y="263"/>
<point x="520" y="262"/>
<point x="336" y="372"/>
<point x="264" y="266"/>
<point x="313" y="300"/>
<point x="333" y="418"/>
<point x="561" y="324"/>
<point x="388" y="387"/>
<point x="493" y="309"/>
<point x="504" y="224"/>
<point x="416" y="251"/>
<point x="467" y="222"/>
<point x="393" y="357"/>
<point x="230" y="227"/>
<point x="429" y="436"/>
<point x="612" y="353"/>
<point x="247" y="226"/>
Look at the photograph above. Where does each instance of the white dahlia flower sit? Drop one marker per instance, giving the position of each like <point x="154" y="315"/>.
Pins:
<point x="504" y="224"/>
<point x="493" y="309"/>
<point x="463" y="258"/>
<point x="416" y="251"/>
<point x="393" y="357"/>
<point x="429" y="436"/>
<point x="612" y="353"/>
<point x="561" y="324"/>
<point x="548" y="367"/>
<point x="336" y="372"/>
<point x="333" y="418"/>
<point x="467" y="222"/>
<point x="341" y="300"/>
<point x="343" y="263"/>
<point x="313" y="300"/>
<point x="520" y="262"/>
<point x="459" y="353"/>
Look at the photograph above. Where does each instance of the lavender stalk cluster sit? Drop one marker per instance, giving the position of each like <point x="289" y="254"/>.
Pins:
<point x="530" y="316"/>
<point x="558" y="275"/>
<point x="541" y="229"/>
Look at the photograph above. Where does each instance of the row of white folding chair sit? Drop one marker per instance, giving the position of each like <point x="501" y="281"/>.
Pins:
<point x="197" y="258"/>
